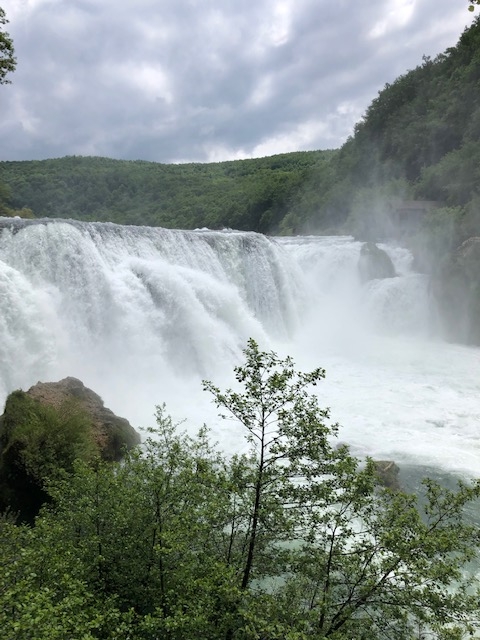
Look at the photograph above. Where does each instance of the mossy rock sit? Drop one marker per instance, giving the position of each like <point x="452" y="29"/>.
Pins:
<point x="111" y="432"/>
<point x="44" y="430"/>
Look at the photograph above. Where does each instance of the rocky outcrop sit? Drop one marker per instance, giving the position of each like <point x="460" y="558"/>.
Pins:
<point x="44" y="431"/>
<point x="468" y="257"/>
<point x="387" y="474"/>
<point x="456" y="288"/>
<point x="111" y="433"/>
<point x="374" y="263"/>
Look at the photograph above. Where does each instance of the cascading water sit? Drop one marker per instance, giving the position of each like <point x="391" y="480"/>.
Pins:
<point x="398" y="391"/>
<point x="141" y="315"/>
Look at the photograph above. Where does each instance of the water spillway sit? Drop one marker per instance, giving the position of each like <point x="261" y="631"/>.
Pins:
<point x="141" y="315"/>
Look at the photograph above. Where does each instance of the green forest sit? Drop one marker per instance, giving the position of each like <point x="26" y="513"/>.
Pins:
<point x="244" y="194"/>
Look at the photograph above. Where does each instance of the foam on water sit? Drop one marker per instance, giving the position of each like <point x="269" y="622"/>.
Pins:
<point x="397" y="389"/>
<point x="142" y="315"/>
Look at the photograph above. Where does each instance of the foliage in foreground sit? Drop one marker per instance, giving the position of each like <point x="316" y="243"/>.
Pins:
<point x="292" y="540"/>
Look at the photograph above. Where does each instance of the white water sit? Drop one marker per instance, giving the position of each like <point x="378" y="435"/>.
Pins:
<point x="142" y="315"/>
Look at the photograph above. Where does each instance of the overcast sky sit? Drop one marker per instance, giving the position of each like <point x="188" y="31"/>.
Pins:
<point x="206" y="80"/>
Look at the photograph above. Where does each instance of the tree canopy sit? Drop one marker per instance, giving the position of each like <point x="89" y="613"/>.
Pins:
<point x="7" y="57"/>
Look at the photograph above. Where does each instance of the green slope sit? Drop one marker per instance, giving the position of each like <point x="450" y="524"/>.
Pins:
<point x="243" y="194"/>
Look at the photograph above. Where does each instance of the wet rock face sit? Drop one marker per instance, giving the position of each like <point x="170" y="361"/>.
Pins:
<point x="468" y="254"/>
<point x="374" y="263"/>
<point x="111" y="432"/>
<point x="456" y="287"/>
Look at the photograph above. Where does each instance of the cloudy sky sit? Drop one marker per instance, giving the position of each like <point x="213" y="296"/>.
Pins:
<point x="206" y="80"/>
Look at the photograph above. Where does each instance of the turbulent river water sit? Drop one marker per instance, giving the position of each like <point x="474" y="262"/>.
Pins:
<point x="141" y="315"/>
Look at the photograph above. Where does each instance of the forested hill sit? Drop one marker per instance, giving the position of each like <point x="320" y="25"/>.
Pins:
<point x="243" y="194"/>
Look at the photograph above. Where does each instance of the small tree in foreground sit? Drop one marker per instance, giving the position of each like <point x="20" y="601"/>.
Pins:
<point x="292" y="541"/>
<point x="340" y="557"/>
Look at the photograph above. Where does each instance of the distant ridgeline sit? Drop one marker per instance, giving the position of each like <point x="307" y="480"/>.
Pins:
<point x="417" y="142"/>
<point x="247" y="195"/>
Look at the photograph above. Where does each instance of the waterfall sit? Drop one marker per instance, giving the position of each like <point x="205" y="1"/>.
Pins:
<point x="141" y="315"/>
<point x="185" y="299"/>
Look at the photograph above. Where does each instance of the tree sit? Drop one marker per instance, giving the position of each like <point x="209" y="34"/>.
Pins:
<point x="147" y="534"/>
<point x="8" y="61"/>
<point x="6" y="210"/>
<point x="7" y="65"/>
<point x="339" y="557"/>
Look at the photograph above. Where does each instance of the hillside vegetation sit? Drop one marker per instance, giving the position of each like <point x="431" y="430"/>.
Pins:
<point x="418" y="140"/>
<point x="244" y="194"/>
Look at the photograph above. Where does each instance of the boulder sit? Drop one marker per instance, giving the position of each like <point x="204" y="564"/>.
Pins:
<point x="374" y="263"/>
<point x="111" y="432"/>
<point x="44" y="431"/>
<point x="387" y="474"/>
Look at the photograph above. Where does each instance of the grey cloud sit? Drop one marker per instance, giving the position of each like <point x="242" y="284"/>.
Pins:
<point x="167" y="80"/>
